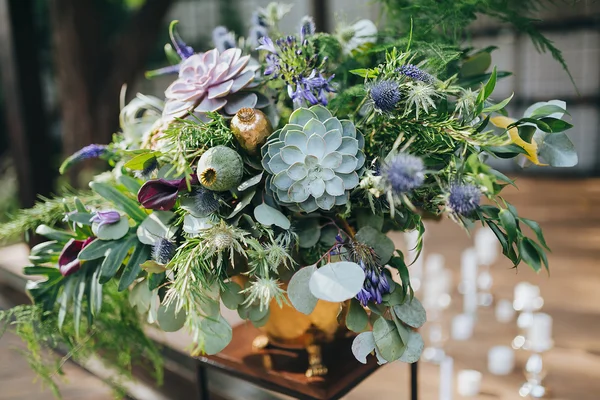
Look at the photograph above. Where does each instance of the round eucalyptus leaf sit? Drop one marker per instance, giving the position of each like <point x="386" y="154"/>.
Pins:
<point x="387" y="339"/>
<point x="363" y="345"/>
<point x="383" y="245"/>
<point x="141" y="296"/>
<point x="256" y="313"/>
<point x="168" y="319"/>
<point x="263" y="321"/>
<point x="194" y="225"/>
<point x="337" y="281"/>
<point x="412" y="313"/>
<point x="414" y="348"/>
<point x="231" y="295"/>
<point x="298" y="290"/>
<point x="558" y="150"/>
<point x="156" y="226"/>
<point x="357" y="318"/>
<point x="111" y="231"/>
<point x="218" y="334"/>
<point x="308" y="231"/>
<point x="268" y="216"/>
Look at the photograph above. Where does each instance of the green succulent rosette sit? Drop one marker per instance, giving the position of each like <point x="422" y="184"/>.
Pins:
<point x="313" y="161"/>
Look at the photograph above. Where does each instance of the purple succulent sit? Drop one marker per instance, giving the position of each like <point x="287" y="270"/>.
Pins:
<point x="207" y="82"/>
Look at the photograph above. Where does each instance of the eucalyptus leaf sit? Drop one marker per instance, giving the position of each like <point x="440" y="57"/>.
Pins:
<point x="193" y="226"/>
<point x="383" y="245"/>
<point x="156" y="226"/>
<point x="308" y="231"/>
<point x="111" y="231"/>
<point x="231" y="296"/>
<point x="259" y="323"/>
<point x="246" y="199"/>
<point x="411" y="313"/>
<point x="414" y="348"/>
<point x="337" y="281"/>
<point x="218" y="334"/>
<point x="367" y="218"/>
<point x="363" y="345"/>
<point x="357" y="319"/>
<point x="268" y="216"/>
<point x="141" y="296"/>
<point x="298" y="290"/>
<point x="169" y="319"/>
<point x="387" y="339"/>
<point x="255" y="180"/>
<point x="558" y="150"/>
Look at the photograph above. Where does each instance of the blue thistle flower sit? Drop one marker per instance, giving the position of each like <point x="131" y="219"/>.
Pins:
<point x="206" y="201"/>
<point x="163" y="251"/>
<point x="88" y="152"/>
<point x="404" y="173"/>
<point x="414" y="72"/>
<point x="385" y="95"/>
<point x="463" y="199"/>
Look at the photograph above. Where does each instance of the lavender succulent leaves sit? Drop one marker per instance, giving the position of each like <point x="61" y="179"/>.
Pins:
<point x="362" y="140"/>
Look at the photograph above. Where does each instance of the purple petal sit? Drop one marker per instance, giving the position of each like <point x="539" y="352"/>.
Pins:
<point x="67" y="260"/>
<point x="159" y="194"/>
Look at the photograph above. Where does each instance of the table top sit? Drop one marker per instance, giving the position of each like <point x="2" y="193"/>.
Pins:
<point x="283" y="370"/>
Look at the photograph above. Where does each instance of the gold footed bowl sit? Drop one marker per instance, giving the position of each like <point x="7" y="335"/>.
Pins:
<point x="288" y="328"/>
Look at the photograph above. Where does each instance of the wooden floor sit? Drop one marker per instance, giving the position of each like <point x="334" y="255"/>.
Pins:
<point x="569" y="212"/>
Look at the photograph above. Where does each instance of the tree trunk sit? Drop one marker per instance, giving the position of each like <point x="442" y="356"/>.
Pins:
<point x="91" y="70"/>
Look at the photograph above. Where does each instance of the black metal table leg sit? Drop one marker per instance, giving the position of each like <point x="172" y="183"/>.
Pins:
<point x="414" y="368"/>
<point x="202" y="382"/>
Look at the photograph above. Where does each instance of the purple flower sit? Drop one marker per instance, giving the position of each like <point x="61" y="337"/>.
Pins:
<point x="181" y="47"/>
<point x="88" y="152"/>
<point x="385" y="95"/>
<point x="307" y="27"/>
<point x="106" y="217"/>
<point x="68" y="263"/>
<point x="206" y="201"/>
<point x="256" y="33"/>
<point x="313" y="89"/>
<point x="363" y="296"/>
<point x="258" y="19"/>
<point x="463" y="199"/>
<point x="272" y="64"/>
<point x="266" y="44"/>
<point x="161" y="194"/>
<point x="404" y="173"/>
<point x="414" y="72"/>
<point x="375" y="286"/>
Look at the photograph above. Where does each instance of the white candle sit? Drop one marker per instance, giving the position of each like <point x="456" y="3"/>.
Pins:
<point x="504" y="311"/>
<point x="469" y="382"/>
<point x="486" y="245"/>
<point x="468" y="270"/>
<point x="446" y="378"/>
<point x="539" y="334"/>
<point x="526" y="296"/>
<point x="462" y="327"/>
<point x="501" y="360"/>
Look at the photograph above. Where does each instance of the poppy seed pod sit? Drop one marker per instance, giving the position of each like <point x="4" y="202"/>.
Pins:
<point x="220" y="169"/>
<point x="251" y="128"/>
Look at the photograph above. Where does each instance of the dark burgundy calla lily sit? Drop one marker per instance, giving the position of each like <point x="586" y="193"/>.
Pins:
<point x="67" y="261"/>
<point x="161" y="194"/>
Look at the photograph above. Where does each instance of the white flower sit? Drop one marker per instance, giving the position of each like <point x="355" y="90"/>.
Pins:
<point x="353" y="37"/>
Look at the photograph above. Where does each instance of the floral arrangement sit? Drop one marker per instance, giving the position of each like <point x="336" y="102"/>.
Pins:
<point x="271" y="173"/>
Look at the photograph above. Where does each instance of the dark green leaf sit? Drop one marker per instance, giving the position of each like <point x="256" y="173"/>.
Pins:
<point x="513" y="211"/>
<point x="535" y="227"/>
<point x="120" y="200"/>
<point x="141" y="253"/>
<point x="557" y="125"/>
<point x="540" y="124"/>
<point x="529" y="254"/>
<point x="48" y="271"/>
<point x="509" y="223"/>
<point x="367" y="218"/>
<point x="547" y="110"/>
<point x="357" y="318"/>
<point x="400" y="265"/>
<point x="490" y="85"/>
<point x="541" y="253"/>
<point x="54" y="234"/>
<point x="113" y="261"/>
<point x="499" y="106"/>
<point x="79" y="206"/>
<point x="96" y="249"/>
<point x="501" y="177"/>
<point x="526" y="132"/>
<point x="155" y="280"/>
<point x="308" y="231"/>
<point x="508" y="151"/>
<point x="490" y="211"/>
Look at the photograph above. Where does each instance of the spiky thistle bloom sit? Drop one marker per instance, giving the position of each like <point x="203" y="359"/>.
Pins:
<point x="420" y="97"/>
<point x="206" y="201"/>
<point x="385" y="95"/>
<point x="404" y="173"/>
<point x="415" y="73"/>
<point x="221" y="239"/>
<point x="163" y="251"/>
<point x="463" y="199"/>
<point x="86" y="153"/>
<point x="263" y="291"/>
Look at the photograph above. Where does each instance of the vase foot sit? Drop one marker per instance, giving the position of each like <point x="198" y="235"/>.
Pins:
<point x="260" y="342"/>
<point x="315" y="362"/>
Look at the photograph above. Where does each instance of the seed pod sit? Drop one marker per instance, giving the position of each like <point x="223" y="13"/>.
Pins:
<point x="251" y="128"/>
<point x="220" y="169"/>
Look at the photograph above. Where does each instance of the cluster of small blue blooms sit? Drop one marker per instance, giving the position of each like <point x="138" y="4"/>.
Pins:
<point x="404" y="173"/>
<point x="375" y="286"/>
<point x="414" y="72"/>
<point x="86" y="153"/>
<point x="313" y="89"/>
<point x="385" y="95"/>
<point x="295" y="62"/>
<point x="463" y="199"/>
<point x="258" y="28"/>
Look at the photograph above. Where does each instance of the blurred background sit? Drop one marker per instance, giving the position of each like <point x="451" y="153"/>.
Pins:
<point x="62" y="65"/>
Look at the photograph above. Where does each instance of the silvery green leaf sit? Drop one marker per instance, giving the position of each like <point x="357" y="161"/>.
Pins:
<point x="301" y="116"/>
<point x="291" y="155"/>
<point x="315" y="127"/>
<point x="111" y="231"/>
<point x="337" y="282"/>
<point x="387" y="339"/>
<point x="335" y="186"/>
<point x="246" y="199"/>
<point x="141" y="296"/>
<point x="308" y="231"/>
<point x="276" y="165"/>
<point x="333" y="140"/>
<point x="349" y="146"/>
<point x="363" y="345"/>
<point x="218" y="334"/>
<point x="326" y="201"/>
<point x="282" y="181"/>
<point x="156" y="226"/>
<point x="168" y="319"/>
<point x="262" y="321"/>
<point x="411" y="313"/>
<point x="194" y="226"/>
<point x="557" y="150"/>
<point x="299" y="291"/>
<point x="297" y="171"/>
<point x="231" y="296"/>
<point x="268" y="216"/>
<point x="383" y="246"/>
<point x="348" y="129"/>
<point x="255" y="180"/>
<point x="321" y="112"/>
<point x="334" y="124"/>
<point x="350" y="180"/>
<point x="296" y="138"/>
<point x="414" y="348"/>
